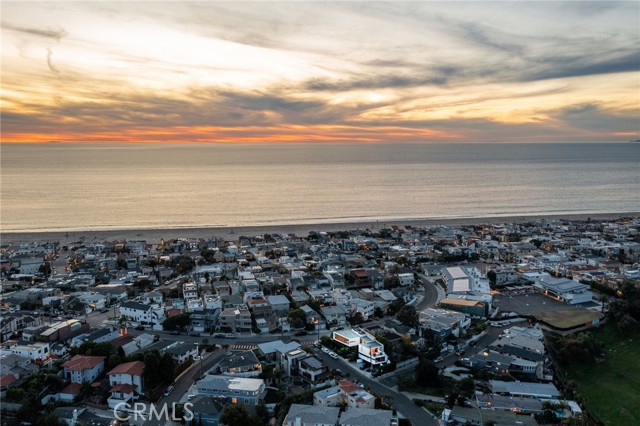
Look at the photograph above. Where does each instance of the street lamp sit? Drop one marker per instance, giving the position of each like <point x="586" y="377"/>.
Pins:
<point x="199" y="357"/>
<point x="316" y="322"/>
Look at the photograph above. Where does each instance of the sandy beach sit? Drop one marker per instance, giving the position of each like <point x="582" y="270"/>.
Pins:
<point x="228" y="233"/>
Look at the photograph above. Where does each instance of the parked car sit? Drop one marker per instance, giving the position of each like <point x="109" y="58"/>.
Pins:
<point x="168" y="391"/>
<point x="333" y="355"/>
<point x="140" y="327"/>
<point x="325" y="350"/>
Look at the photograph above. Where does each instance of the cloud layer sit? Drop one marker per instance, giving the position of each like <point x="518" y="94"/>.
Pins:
<point x="306" y="71"/>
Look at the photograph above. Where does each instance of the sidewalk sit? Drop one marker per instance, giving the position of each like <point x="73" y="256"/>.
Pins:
<point x="422" y="397"/>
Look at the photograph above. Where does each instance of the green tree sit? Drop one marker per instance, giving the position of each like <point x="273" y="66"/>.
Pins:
<point x="627" y="325"/>
<point x="113" y="361"/>
<point x="167" y="369"/>
<point x="356" y="319"/>
<point x="427" y="373"/>
<point x="152" y="374"/>
<point x="177" y="322"/>
<point x="395" y="306"/>
<point x="235" y="415"/>
<point x="391" y="281"/>
<point x="297" y="318"/>
<point x="408" y="316"/>
<point x="467" y="386"/>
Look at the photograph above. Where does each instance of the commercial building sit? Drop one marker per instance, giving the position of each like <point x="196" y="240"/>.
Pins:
<point x="564" y="290"/>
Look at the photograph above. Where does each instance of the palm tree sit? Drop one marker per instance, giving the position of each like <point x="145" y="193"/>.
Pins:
<point x="603" y="298"/>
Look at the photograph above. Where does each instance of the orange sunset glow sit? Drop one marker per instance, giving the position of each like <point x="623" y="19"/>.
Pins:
<point x="331" y="72"/>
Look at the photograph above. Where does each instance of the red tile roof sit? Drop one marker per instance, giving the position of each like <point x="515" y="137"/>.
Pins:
<point x="72" y="389"/>
<point x="124" y="388"/>
<point x="348" y="386"/>
<point x="134" y="368"/>
<point x="6" y="380"/>
<point x="121" y="341"/>
<point x="83" y="362"/>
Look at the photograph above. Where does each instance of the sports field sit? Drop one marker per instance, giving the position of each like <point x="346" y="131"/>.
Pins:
<point x="567" y="319"/>
<point x="611" y="388"/>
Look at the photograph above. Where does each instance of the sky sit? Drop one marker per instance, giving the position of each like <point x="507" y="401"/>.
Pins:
<point x="298" y="71"/>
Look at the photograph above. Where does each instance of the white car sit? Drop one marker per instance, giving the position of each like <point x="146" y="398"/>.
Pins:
<point x="333" y="355"/>
<point x="325" y="350"/>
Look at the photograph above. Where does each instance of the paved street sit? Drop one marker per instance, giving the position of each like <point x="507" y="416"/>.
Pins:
<point x="417" y="415"/>
<point x="184" y="382"/>
<point x="432" y="293"/>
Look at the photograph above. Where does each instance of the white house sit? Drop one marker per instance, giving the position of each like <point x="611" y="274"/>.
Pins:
<point x="279" y="303"/>
<point x="126" y="383"/>
<point x="369" y="349"/>
<point x="35" y="351"/>
<point x="83" y="368"/>
<point x="145" y="314"/>
<point x="406" y="279"/>
<point x="362" y="306"/>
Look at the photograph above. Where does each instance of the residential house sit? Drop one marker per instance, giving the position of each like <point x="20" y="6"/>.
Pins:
<point x="310" y="415"/>
<point x="353" y="416"/>
<point x="313" y="371"/>
<point x="182" y="352"/>
<point x="235" y="319"/>
<point x="83" y="368"/>
<point x="206" y="411"/>
<point x="144" y="314"/>
<point x="280" y="304"/>
<point x="334" y="315"/>
<point x="241" y="364"/>
<point x="236" y="390"/>
<point x="344" y="393"/>
<point x="35" y="351"/>
<point x="369" y="349"/>
<point x="364" y="307"/>
<point x="126" y="383"/>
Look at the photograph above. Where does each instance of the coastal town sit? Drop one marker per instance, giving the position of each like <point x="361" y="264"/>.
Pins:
<point x="487" y="324"/>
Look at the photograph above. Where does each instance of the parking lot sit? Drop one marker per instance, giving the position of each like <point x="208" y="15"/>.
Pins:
<point x="526" y="304"/>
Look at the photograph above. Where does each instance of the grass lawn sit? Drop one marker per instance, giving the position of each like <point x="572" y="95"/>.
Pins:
<point x="567" y="319"/>
<point x="611" y="389"/>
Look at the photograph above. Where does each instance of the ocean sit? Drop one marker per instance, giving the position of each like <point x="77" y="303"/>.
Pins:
<point x="73" y="187"/>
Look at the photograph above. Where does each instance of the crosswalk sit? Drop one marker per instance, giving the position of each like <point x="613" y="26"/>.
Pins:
<point x="241" y="347"/>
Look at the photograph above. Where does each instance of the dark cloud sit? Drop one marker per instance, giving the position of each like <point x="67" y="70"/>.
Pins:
<point x="489" y="37"/>
<point x="583" y="65"/>
<point x="47" y="33"/>
<point x="593" y="117"/>
<point x="438" y="76"/>
<point x="50" y="64"/>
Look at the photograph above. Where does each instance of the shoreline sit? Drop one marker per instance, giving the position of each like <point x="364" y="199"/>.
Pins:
<point x="153" y="236"/>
